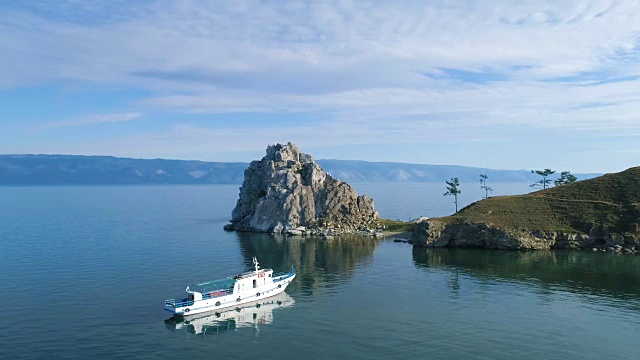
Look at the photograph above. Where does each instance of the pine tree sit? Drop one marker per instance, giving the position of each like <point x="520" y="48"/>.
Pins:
<point x="544" y="182"/>
<point x="452" y="189"/>
<point x="565" y="178"/>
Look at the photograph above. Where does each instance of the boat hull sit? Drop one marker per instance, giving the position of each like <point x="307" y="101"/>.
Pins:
<point x="230" y="300"/>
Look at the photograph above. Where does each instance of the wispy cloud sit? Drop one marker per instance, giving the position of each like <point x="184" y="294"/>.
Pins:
<point x="366" y="68"/>
<point x="96" y="119"/>
<point x="258" y="45"/>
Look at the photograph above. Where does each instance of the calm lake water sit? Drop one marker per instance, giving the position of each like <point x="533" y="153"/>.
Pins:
<point x="84" y="272"/>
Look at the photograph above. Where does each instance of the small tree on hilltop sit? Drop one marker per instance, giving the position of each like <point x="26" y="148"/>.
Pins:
<point x="483" y="185"/>
<point x="452" y="189"/>
<point x="544" y="182"/>
<point x="565" y="178"/>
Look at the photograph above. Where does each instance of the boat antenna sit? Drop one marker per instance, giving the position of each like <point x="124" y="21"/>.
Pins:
<point x="255" y="263"/>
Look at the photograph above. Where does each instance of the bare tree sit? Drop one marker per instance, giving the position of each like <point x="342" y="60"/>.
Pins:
<point x="483" y="185"/>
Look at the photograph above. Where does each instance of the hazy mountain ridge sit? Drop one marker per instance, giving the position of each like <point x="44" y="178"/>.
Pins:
<point x="109" y="170"/>
<point x="366" y="171"/>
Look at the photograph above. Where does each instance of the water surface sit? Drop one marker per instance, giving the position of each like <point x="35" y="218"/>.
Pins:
<point x="84" y="272"/>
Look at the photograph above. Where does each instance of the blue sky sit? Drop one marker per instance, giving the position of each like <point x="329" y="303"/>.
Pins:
<point x="498" y="84"/>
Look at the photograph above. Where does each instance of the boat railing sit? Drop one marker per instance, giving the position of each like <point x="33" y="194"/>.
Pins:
<point x="210" y="295"/>
<point x="178" y="304"/>
<point x="284" y="275"/>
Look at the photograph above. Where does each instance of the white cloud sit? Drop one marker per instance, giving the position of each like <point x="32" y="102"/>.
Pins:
<point x="96" y="119"/>
<point x="227" y="44"/>
<point x="368" y="69"/>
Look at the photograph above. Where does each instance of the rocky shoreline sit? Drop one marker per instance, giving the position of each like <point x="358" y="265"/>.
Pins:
<point x="330" y="232"/>
<point x="434" y="233"/>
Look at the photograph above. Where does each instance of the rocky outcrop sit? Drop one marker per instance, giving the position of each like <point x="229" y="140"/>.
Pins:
<point x="288" y="192"/>
<point x="602" y="214"/>
<point x="434" y="233"/>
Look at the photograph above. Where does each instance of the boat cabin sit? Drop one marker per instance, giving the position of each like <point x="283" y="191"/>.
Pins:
<point x="245" y="282"/>
<point x="252" y="280"/>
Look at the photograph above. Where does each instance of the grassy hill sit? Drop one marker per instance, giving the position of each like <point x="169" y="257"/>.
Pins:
<point x="611" y="201"/>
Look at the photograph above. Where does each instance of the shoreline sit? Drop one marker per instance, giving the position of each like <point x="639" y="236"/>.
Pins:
<point x="391" y="235"/>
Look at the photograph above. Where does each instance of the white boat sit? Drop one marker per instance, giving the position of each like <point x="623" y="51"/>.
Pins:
<point x="253" y="314"/>
<point x="231" y="292"/>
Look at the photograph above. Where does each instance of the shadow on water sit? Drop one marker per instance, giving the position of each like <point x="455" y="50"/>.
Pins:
<point x="319" y="263"/>
<point x="609" y="275"/>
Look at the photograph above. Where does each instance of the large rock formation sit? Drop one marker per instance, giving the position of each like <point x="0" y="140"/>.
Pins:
<point x="287" y="191"/>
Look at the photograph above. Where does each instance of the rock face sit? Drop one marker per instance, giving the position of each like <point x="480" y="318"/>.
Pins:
<point x="288" y="192"/>
<point x="434" y="233"/>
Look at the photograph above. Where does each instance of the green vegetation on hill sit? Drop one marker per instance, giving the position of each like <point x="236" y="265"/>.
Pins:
<point x="611" y="202"/>
<point x="397" y="226"/>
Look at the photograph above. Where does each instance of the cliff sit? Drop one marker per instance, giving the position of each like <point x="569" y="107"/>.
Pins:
<point x="600" y="213"/>
<point x="287" y="191"/>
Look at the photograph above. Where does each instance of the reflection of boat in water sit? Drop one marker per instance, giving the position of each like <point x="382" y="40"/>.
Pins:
<point x="231" y="292"/>
<point x="252" y="314"/>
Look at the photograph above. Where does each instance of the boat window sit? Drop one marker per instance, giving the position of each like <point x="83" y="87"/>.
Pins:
<point x="269" y="275"/>
<point x="254" y="284"/>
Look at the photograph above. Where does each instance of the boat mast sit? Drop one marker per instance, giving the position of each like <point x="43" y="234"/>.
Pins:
<point x="255" y="264"/>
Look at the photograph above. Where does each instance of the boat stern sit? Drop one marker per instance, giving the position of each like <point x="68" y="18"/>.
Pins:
<point x="170" y="306"/>
<point x="177" y="307"/>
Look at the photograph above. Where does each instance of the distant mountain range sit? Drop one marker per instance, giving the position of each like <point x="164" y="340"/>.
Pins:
<point x="109" y="170"/>
<point x="366" y="171"/>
